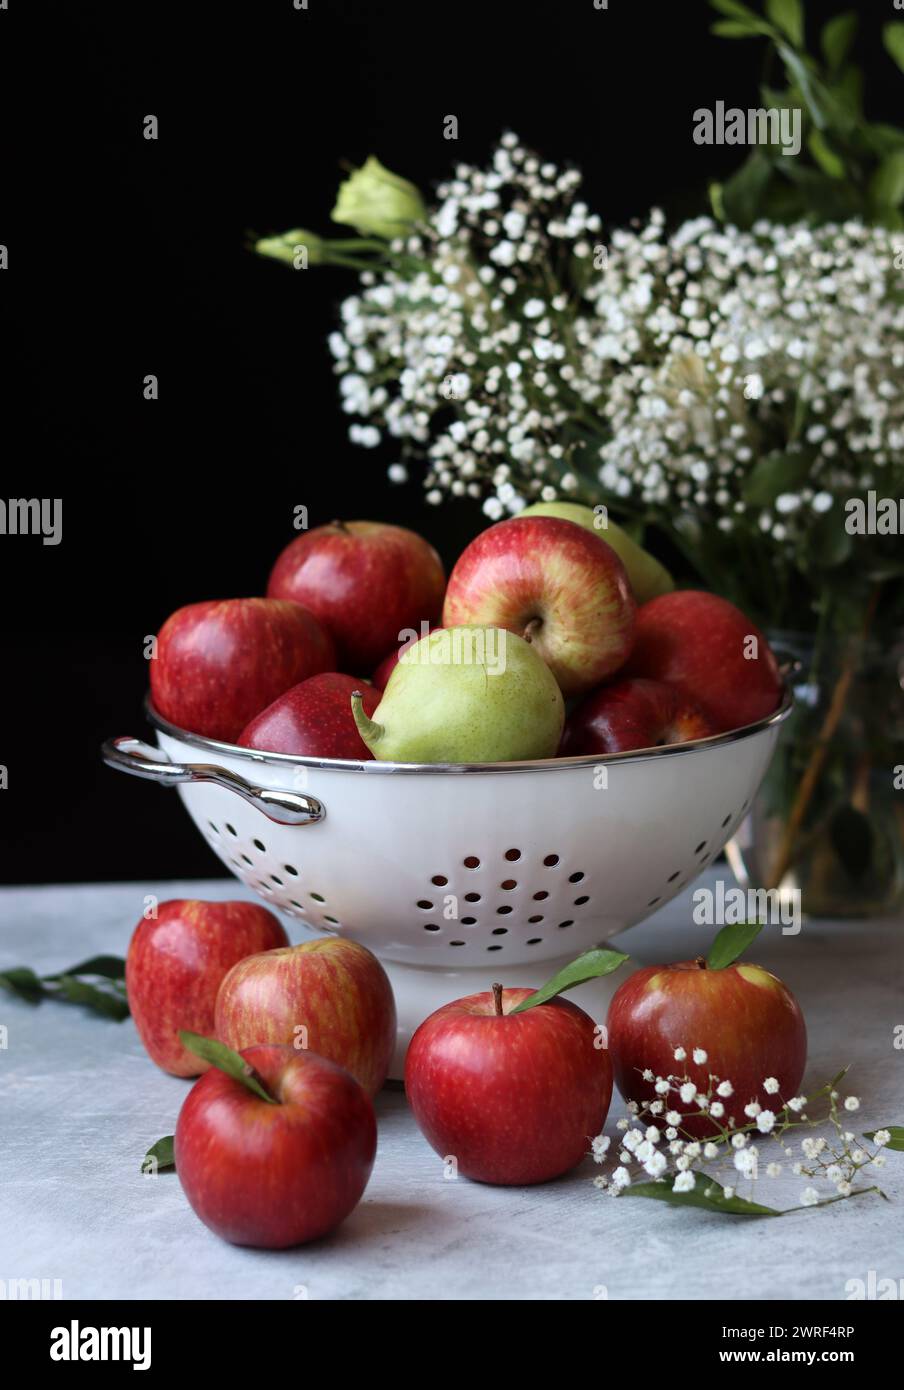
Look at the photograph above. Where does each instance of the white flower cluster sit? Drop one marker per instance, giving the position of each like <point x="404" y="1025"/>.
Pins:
<point x="529" y="357"/>
<point x="654" y="1139"/>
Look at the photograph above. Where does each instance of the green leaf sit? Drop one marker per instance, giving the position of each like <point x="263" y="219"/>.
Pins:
<point x="23" y="981"/>
<point x="825" y="156"/>
<point x="735" y="10"/>
<point x="590" y="966"/>
<point x="742" y="193"/>
<point x="788" y="15"/>
<point x="812" y="90"/>
<point x="108" y="967"/>
<point x="836" y="38"/>
<point x="162" y="1152"/>
<point x="896" y="1140"/>
<point x="706" y="1194"/>
<point x="828" y="543"/>
<point x="735" y="29"/>
<point x="102" y="1001"/>
<point x="223" y="1057"/>
<point x="886" y="186"/>
<point x="774" y="474"/>
<point x="731" y="942"/>
<point x="893" y="38"/>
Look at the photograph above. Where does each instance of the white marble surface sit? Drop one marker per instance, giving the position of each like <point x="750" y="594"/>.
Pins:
<point x="80" y="1103"/>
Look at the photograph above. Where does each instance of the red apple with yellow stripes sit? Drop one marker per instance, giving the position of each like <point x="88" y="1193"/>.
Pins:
<point x="556" y="584"/>
<point x="329" y="996"/>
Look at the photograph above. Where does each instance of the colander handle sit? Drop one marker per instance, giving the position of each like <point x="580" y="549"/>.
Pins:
<point x="142" y="760"/>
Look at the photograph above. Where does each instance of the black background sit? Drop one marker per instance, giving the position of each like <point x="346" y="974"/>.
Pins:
<point x="129" y="257"/>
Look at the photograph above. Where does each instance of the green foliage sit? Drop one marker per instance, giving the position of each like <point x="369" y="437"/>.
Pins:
<point x="848" y="166"/>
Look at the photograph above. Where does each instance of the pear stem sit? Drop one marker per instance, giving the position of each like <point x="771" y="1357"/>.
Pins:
<point x="700" y="962"/>
<point x="370" y="731"/>
<point x="497" y="999"/>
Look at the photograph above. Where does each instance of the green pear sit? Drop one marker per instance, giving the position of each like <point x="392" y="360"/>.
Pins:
<point x="647" y="577"/>
<point x="465" y="695"/>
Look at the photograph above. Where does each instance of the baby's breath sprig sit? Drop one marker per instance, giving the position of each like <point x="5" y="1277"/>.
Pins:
<point x="655" y="1143"/>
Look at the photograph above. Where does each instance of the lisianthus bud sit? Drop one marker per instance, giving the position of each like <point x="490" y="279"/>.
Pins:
<point x="299" y="248"/>
<point x="378" y="203"/>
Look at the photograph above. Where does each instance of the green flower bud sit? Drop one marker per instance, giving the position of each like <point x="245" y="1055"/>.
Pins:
<point x="378" y="203"/>
<point x="299" y="248"/>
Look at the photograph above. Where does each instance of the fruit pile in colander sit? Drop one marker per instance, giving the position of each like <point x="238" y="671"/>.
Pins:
<point x="555" y="635"/>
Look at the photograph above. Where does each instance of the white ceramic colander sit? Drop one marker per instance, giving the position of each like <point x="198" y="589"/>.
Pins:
<point x="457" y="875"/>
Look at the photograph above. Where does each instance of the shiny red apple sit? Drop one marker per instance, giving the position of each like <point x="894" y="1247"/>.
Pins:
<point x="276" y="1173"/>
<point x="221" y="662"/>
<point x="746" y="1022"/>
<point x="512" y="1098"/>
<point x="557" y="584"/>
<point x="176" y="963"/>
<point x="632" y="714"/>
<point x="329" y="996"/>
<point x="313" y="720"/>
<point x="366" y="581"/>
<point x="715" y="655"/>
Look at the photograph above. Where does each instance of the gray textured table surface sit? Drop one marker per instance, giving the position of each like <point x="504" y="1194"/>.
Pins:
<point x="80" y="1103"/>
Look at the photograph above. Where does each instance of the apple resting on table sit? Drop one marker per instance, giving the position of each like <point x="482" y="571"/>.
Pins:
<point x="366" y="581"/>
<point x="512" y="1098"/>
<point x="744" y="1025"/>
<point x="711" y="652"/>
<point x="313" y="720"/>
<point x="275" y="1173"/>
<point x="557" y="585"/>
<point x="176" y="963"/>
<point x="329" y="996"/>
<point x="219" y="663"/>
<point x="632" y="714"/>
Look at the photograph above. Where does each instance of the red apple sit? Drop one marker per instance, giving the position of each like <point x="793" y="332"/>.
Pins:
<point x="513" y="1098"/>
<point x="556" y="584"/>
<point x="330" y="996"/>
<point x="276" y="1174"/>
<point x="176" y="963"/>
<point x="366" y="581"/>
<point x="745" y="1020"/>
<point x="380" y="677"/>
<point x="708" y="649"/>
<point x="313" y="719"/>
<point x="220" y="662"/>
<point x="632" y="714"/>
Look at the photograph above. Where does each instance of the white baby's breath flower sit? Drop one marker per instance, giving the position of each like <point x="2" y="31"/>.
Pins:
<point x="852" y="1103"/>
<point x="881" y="1137"/>
<point x="679" y="1054"/>
<point x="700" y="1056"/>
<point x="724" y="1089"/>
<point x="684" y="1182"/>
<point x="765" y="1121"/>
<point x="770" y="1086"/>
<point x="809" y="1197"/>
<point x="687" y="1092"/>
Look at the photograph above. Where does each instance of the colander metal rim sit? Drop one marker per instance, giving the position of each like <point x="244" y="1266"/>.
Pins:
<point x="376" y="768"/>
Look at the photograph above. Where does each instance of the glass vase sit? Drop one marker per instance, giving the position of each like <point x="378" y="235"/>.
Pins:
<point x="829" y="818"/>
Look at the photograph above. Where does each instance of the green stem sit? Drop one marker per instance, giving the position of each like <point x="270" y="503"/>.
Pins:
<point x="370" y="731"/>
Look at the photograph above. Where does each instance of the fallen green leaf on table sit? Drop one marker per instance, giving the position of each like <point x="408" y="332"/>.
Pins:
<point x="706" y="1193"/>
<point x="895" y="1140"/>
<point x="159" y="1155"/>
<point x="108" y="997"/>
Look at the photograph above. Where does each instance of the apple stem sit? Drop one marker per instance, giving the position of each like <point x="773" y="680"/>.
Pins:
<point x="340" y="526"/>
<point x="369" y="729"/>
<point x="532" y="628"/>
<point x="700" y="962"/>
<point x="497" y="999"/>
